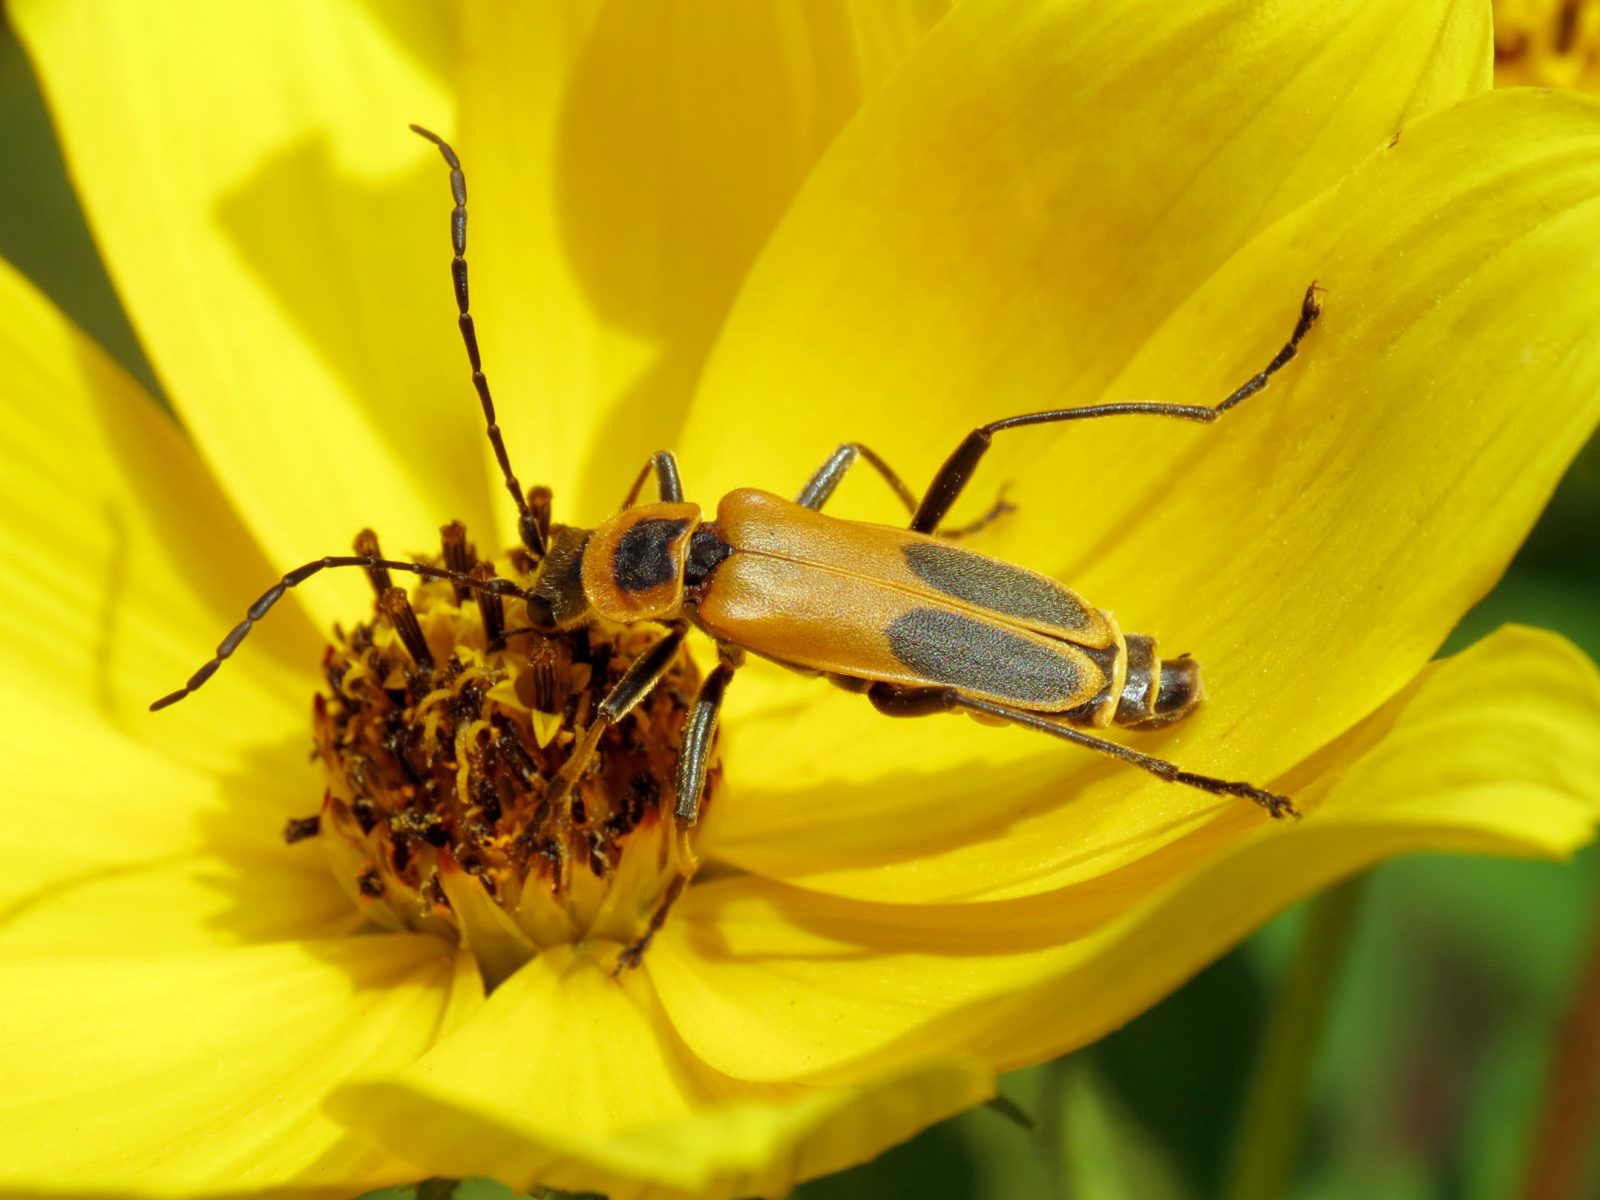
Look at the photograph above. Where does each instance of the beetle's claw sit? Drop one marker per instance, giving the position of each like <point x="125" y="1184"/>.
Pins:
<point x="1279" y="806"/>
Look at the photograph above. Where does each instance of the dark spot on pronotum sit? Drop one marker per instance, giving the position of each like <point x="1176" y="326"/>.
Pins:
<point x="643" y="557"/>
<point x="998" y="586"/>
<point x="977" y="656"/>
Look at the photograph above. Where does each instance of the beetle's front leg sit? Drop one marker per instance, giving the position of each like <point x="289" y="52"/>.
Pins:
<point x="669" y="485"/>
<point x="636" y="683"/>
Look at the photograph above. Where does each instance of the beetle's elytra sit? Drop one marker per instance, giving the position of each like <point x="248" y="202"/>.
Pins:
<point x="907" y="616"/>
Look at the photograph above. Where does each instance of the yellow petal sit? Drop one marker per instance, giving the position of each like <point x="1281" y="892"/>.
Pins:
<point x="126" y="563"/>
<point x="1496" y="750"/>
<point x="1312" y="550"/>
<point x="627" y="163"/>
<point x="182" y="1076"/>
<point x="279" y="240"/>
<point x="128" y="566"/>
<point x="1124" y="177"/>
<point x="115" y="849"/>
<point x="1030" y="198"/>
<point x="569" y="1078"/>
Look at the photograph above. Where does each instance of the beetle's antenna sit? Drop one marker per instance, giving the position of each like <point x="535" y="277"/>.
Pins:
<point x="527" y="526"/>
<point x="495" y="586"/>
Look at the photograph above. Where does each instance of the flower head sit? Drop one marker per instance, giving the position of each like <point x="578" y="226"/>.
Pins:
<point x="772" y="238"/>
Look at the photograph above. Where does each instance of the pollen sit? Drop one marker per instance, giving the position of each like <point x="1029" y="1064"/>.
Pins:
<point x="444" y="719"/>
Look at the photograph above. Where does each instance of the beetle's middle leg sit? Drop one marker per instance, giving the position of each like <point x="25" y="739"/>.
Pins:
<point x="694" y="764"/>
<point x="957" y="471"/>
<point x="820" y="488"/>
<point x="918" y="702"/>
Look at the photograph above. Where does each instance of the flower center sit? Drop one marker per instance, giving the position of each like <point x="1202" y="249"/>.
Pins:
<point x="445" y="719"/>
<point x="1547" y="43"/>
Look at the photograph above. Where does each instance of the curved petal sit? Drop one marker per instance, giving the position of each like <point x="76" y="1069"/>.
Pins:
<point x="1029" y="199"/>
<point x="114" y="849"/>
<point x="1496" y="750"/>
<point x="128" y="566"/>
<point x="613" y="1103"/>
<point x="127" y="563"/>
<point x="1315" y="548"/>
<point x="279" y="240"/>
<point x="627" y="163"/>
<point x="199" y="1069"/>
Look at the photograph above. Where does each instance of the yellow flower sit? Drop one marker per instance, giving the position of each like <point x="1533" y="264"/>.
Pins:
<point x="748" y="235"/>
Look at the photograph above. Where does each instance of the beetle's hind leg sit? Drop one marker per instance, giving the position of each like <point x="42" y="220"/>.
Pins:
<point x="917" y="702"/>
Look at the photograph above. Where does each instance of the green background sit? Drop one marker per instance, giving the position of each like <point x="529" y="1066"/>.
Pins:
<point x="1433" y="1059"/>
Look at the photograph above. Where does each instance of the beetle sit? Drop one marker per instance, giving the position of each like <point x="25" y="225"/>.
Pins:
<point x="917" y="623"/>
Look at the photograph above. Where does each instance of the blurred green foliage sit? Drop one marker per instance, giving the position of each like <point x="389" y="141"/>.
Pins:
<point x="1435" y="1052"/>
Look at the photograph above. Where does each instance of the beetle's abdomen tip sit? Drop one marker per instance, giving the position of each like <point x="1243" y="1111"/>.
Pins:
<point x="1180" y="689"/>
<point x="1157" y="691"/>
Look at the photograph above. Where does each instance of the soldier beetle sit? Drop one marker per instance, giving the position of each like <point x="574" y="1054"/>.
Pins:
<point x="905" y="616"/>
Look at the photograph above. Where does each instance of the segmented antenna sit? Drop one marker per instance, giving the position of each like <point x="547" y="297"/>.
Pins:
<point x="494" y="587"/>
<point x="527" y="526"/>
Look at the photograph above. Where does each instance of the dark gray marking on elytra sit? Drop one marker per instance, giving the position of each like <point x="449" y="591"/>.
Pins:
<point x="976" y="656"/>
<point x="644" y="553"/>
<point x="998" y="586"/>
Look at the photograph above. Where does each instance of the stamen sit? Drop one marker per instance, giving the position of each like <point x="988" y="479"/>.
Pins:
<point x="1547" y="43"/>
<point x="459" y="556"/>
<point x="492" y="609"/>
<point x="397" y="608"/>
<point x="366" y="545"/>
<point x="544" y="679"/>
<point x="298" y="829"/>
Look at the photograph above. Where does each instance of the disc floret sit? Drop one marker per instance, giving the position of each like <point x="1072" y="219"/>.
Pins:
<point x="444" y="718"/>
